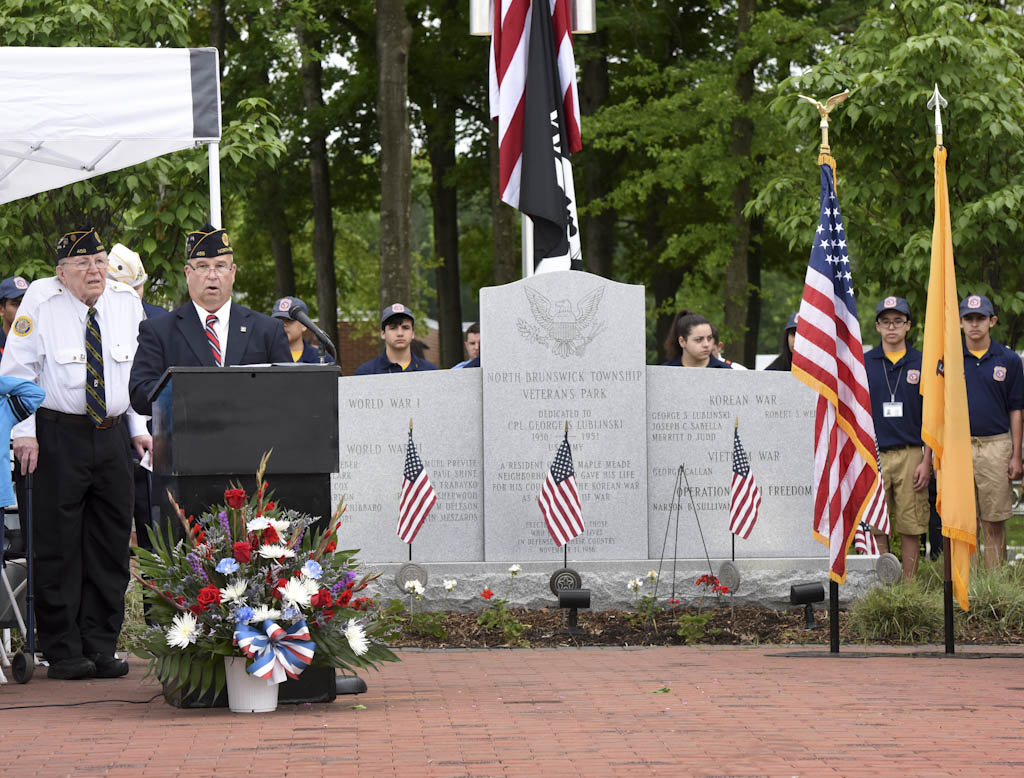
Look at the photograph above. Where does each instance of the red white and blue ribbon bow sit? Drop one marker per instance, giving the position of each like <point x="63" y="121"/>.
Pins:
<point x="279" y="653"/>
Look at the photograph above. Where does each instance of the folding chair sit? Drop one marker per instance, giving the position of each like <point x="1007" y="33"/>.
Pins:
<point x="16" y="594"/>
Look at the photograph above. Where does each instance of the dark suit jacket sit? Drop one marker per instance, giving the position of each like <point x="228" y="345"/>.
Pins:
<point x="178" y="339"/>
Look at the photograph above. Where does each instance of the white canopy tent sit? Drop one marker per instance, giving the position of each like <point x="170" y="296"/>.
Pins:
<point x="67" y="114"/>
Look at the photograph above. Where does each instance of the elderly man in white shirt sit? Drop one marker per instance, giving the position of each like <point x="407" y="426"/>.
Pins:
<point x="75" y="336"/>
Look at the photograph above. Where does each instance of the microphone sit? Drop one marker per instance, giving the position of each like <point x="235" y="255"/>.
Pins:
<point x="302" y="317"/>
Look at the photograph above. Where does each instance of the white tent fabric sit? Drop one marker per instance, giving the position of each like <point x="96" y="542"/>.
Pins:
<point x="67" y="114"/>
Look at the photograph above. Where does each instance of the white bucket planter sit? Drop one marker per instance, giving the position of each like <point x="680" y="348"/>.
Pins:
<point x="246" y="693"/>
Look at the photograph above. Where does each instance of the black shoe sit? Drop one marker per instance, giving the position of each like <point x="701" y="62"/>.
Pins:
<point x="71" y="669"/>
<point x="109" y="666"/>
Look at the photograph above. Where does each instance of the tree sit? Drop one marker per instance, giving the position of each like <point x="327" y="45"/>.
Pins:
<point x="883" y="136"/>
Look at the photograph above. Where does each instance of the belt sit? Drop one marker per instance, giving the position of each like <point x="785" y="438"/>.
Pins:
<point x="899" y="447"/>
<point x="74" y="418"/>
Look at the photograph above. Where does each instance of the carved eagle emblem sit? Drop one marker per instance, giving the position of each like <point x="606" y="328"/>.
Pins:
<point x="564" y="327"/>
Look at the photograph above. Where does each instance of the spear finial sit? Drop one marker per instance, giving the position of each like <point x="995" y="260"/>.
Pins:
<point x="938" y="102"/>
<point x="410" y="424"/>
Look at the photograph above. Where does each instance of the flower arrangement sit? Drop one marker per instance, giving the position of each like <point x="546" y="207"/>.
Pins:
<point x="253" y="579"/>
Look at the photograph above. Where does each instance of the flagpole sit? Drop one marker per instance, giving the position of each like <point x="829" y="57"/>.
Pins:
<point x="937" y="103"/>
<point x="410" y="438"/>
<point x="565" y="546"/>
<point x="732" y="535"/>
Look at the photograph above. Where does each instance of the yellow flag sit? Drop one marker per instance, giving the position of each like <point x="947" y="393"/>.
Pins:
<point x="945" y="426"/>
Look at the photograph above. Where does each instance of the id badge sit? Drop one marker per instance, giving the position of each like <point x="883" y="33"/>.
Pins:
<point x="892" y="410"/>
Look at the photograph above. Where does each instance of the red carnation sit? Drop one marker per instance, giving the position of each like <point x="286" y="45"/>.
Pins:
<point x="242" y="552"/>
<point x="328" y="615"/>
<point x="362" y="603"/>
<point x="277" y="594"/>
<point x="487" y="594"/>
<point x="235" y="498"/>
<point x="330" y="547"/>
<point x="343" y="600"/>
<point x="197" y="610"/>
<point x="208" y="595"/>
<point x="270" y="535"/>
<point x="322" y="599"/>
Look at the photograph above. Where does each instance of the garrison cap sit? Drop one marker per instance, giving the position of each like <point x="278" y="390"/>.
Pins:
<point x="125" y="265"/>
<point x="207" y="242"/>
<point x="79" y="243"/>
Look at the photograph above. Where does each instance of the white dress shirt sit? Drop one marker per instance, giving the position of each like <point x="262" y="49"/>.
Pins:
<point x="223" y="315"/>
<point x="47" y="345"/>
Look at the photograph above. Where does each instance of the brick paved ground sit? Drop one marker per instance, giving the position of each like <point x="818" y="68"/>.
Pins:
<point x="553" y="713"/>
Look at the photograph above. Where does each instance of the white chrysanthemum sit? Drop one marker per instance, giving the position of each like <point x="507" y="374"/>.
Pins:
<point x="280" y="525"/>
<point x="634" y="584"/>
<point x="257" y="523"/>
<point x="183" y="631"/>
<point x="263" y="612"/>
<point x="275" y="551"/>
<point x="356" y="637"/>
<point x="652" y="575"/>
<point x="234" y="592"/>
<point x="414" y="587"/>
<point x="515" y="569"/>
<point x="296" y="592"/>
<point x="450" y="584"/>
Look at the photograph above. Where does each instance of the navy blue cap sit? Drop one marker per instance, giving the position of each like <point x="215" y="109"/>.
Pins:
<point x="791" y="322"/>
<point x="977" y="303"/>
<point x="395" y="309"/>
<point x="284" y="307"/>
<point x="891" y="303"/>
<point x="13" y="288"/>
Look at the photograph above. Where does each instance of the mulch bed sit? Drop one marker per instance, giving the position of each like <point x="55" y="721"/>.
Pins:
<point x="745" y="625"/>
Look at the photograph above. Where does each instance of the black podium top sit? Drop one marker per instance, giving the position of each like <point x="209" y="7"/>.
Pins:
<point x="220" y="420"/>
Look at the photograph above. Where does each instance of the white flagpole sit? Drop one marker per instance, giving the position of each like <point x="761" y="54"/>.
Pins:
<point x="213" y="155"/>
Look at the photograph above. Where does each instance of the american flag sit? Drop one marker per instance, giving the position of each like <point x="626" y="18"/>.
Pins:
<point x="828" y="356"/>
<point x="865" y="542"/>
<point x="746" y="495"/>
<point x="559" y="499"/>
<point x="533" y="96"/>
<point x="418" y="495"/>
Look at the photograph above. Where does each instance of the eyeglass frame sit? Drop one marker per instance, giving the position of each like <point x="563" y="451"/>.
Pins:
<point x="214" y="267"/>
<point x="85" y="264"/>
<point x="889" y="324"/>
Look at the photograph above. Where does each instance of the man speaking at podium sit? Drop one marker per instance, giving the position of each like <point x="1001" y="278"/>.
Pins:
<point x="208" y="331"/>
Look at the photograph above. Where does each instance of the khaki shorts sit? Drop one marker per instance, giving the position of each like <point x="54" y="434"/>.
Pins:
<point x="908" y="510"/>
<point x="992" y="490"/>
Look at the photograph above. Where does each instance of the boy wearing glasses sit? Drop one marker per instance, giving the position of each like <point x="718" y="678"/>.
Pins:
<point x="208" y="331"/>
<point x="75" y="337"/>
<point x="894" y="381"/>
<point x="995" y="397"/>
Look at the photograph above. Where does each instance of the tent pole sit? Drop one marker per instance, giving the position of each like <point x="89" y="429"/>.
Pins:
<point x="213" y="153"/>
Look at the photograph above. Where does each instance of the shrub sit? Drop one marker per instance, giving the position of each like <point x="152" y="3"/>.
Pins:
<point x="904" y="613"/>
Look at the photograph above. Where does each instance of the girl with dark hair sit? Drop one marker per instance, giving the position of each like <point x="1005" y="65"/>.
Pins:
<point x="784" y="361"/>
<point x="690" y="342"/>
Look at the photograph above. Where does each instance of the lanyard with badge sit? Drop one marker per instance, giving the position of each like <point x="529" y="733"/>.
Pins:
<point x="892" y="409"/>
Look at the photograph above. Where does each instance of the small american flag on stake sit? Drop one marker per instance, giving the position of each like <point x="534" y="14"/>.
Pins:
<point x="418" y="495"/>
<point x="746" y="496"/>
<point x="559" y="499"/>
<point x="864" y="541"/>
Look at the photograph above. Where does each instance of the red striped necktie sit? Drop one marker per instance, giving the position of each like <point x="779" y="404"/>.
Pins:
<point x="211" y="335"/>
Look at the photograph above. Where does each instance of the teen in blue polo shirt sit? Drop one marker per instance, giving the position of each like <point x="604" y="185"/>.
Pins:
<point x="894" y="381"/>
<point x="302" y="351"/>
<point x="690" y="343"/>
<point x="396" y="330"/>
<point x="995" y="397"/>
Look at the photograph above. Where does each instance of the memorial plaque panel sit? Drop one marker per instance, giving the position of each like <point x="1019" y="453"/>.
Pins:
<point x="373" y="420"/>
<point x="563" y="347"/>
<point x="690" y="421"/>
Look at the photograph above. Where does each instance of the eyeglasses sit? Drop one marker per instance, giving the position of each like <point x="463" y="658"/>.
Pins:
<point x="892" y="324"/>
<point x="216" y="268"/>
<point x="100" y="263"/>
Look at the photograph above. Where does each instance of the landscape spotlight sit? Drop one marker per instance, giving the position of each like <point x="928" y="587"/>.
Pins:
<point x="807" y="595"/>
<point x="574" y="599"/>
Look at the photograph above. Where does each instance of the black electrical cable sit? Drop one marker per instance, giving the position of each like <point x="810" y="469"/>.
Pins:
<point x="84" y="702"/>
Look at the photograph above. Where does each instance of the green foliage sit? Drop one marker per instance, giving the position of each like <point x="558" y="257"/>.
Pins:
<point x="996" y="598"/>
<point x="883" y="137"/>
<point x="693" y="627"/>
<point x="902" y="612"/>
<point x="497" y="616"/>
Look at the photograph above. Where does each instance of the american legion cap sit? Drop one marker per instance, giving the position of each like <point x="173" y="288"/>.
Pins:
<point x="125" y="265"/>
<point x="79" y="243"/>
